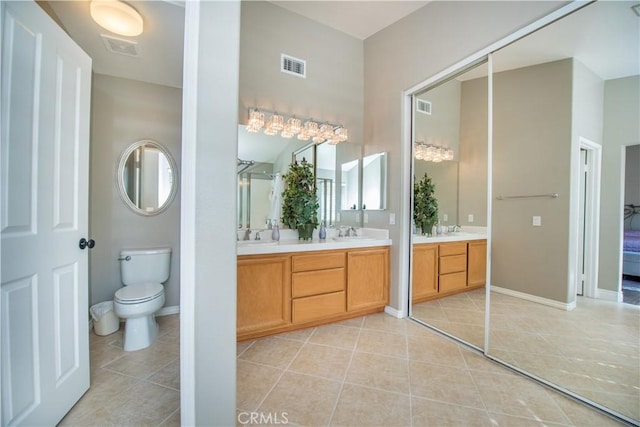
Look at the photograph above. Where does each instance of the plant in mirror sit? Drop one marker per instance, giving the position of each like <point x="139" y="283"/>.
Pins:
<point x="300" y="201"/>
<point x="147" y="177"/>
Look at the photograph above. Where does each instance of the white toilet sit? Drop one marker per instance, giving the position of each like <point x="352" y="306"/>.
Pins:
<point x="143" y="271"/>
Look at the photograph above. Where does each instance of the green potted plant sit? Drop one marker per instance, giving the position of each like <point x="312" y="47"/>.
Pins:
<point x="425" y="205"/>
<point x="300" y="202"/>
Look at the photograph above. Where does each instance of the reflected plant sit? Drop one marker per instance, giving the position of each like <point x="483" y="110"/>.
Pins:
<point x="300" y="201"/>
<point x="425" y="204"/>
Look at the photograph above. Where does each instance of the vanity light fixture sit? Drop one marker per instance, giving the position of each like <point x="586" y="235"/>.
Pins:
<point x="432" y="153"/>
<point x="117" y="17"/>
<point x="288" y="127"/>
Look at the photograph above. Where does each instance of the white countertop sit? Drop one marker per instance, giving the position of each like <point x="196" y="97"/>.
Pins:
<point x="262" y="247"/>
<point x="449" y="237"/>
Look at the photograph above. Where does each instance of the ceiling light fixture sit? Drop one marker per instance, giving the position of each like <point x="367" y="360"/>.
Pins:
<point x="305" y="129"/>
<point x="432" y="153"/>
<point x="117" y="17"/>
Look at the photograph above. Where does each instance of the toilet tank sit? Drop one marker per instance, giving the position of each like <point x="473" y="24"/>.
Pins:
<point x="145" y="265"/>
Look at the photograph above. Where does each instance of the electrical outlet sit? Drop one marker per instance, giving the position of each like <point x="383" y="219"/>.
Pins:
<point x="445" y="217"/>
<point x="470" y="218"/>
<point x="366" y="218"/>
<point x="392" y="219"/>
<point x="537" y="221"/>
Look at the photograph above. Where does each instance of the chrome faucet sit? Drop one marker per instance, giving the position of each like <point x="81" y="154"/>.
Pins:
<point x="247" y="234"/>
<point x="456" y="228"/>
<point x="352" y="232"/>
<point x="258" y="235"/>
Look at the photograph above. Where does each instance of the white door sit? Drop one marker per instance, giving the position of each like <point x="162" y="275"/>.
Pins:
<point x="46" y="83"/>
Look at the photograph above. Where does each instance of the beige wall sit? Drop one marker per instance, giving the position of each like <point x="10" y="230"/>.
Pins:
<point x="410" y="51"/>
<point x="123" y="112"/>
<point x="621" y="112"/>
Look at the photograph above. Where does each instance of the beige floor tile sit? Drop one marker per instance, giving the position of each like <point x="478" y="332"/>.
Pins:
<point x="253" y="382"/>
<point x="101" y="354"/>
<point x="581" y="415"/>
<point x="382" y="372"/>
<point x="356" y="322"/>
<point x="385" y="323"/>
<point x="435" y="349"/>
<point x="627" y="405"/>
<point x="306" y="400"/>
<point x="322" y="361"/>
<point x="299" y="335"/>
<point x="429" y="413"/>
<point x="243" y="345"/>
<point x="362" y="406"/>
<point x="382" y="343"/>
<point x="144" y="363"/>
<point x="173" y="420"/>
<point x="168" y="376"/>
<point x="144" y="404"/>
<point x="518" y="396"/>
<point x="445" y="384"/>
<point x="272" y="351"/>
<point x="504" y="420"/>
<point x="336" y="336"/>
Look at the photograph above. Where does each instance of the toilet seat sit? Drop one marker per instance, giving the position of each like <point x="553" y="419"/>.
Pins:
<point x="139" y="293"/>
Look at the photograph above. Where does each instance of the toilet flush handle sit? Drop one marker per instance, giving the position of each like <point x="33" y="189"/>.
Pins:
<point x="127" y="258"/>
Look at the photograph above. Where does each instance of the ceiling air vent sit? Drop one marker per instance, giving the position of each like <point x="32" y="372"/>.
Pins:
<point x="423" y="106"/>
<point x="291" y="65"/>
<point x="121" y="46"/>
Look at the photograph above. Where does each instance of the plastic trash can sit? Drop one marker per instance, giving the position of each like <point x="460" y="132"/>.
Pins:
<point x="105" y="321"/>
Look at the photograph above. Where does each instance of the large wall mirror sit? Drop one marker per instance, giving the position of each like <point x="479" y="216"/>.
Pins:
<point x="263" y="160"/>
<point x="555" y="310"/>
<point x="147" y="177"/>
<point x="374" y="181"/>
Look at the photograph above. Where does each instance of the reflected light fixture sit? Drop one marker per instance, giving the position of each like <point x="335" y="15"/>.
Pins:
<point x="432" y="153"/>
<point x="288" y="127"/>
<point x="117" y="17"/>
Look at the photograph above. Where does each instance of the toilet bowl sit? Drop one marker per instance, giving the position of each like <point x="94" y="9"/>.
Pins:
<point x="137" y="305"/>
<point x="143" y="271"/>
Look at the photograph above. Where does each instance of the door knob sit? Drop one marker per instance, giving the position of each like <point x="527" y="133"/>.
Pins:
<point x="86" y="243"/>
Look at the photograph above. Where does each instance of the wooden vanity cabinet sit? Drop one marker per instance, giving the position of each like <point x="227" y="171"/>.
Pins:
<point x="424" y="272"/>
<point x="317" y="286"/>
<point x="264" y="293"/>
<point x="368" y="278"/>
<point x="477" y="263"/>
<point x="452" y="266"/>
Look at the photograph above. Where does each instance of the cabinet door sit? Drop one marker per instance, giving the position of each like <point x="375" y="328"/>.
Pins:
<point x="477" y="263"/>
<point x="367" y="278"/>
<point x="264" y="293"/>
<point x="425" y="272"/>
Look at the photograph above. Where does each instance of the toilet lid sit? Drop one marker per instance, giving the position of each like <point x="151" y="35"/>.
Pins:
<point x="139" y="293"/>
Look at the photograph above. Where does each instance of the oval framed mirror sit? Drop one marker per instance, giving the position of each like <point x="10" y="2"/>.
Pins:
<point x="147" y="177"/>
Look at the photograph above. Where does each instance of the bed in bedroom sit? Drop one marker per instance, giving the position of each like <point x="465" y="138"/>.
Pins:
<point x="631" y="243"/>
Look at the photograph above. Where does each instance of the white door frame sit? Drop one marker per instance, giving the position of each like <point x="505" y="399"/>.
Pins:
<point x="591" y="220"/>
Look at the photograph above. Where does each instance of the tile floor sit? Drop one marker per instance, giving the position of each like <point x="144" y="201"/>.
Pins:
<point x="140" y="388"/>
<point x="375" y="370"/>
<point x="593" y="350"/>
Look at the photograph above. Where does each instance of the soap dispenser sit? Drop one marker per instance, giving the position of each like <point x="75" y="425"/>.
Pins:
<point x="439" y="228"/>
<point x="275" y="231"/>
<point x="322" y="234"/>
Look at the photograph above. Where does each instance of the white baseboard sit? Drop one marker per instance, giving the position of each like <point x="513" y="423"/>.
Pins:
<point x="166" y="311"/>
<point x="607" y="295"/>
<point x="398" y="314"/>
<point x="533" y="298"/>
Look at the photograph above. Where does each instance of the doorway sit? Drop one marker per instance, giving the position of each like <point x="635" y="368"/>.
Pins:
<point x="631" y="233"/>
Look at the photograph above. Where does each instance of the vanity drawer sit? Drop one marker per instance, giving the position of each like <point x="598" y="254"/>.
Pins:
<point x="452" y="282"/>
<point x="318" y="307"/>
<point x="318" y="261"/>
<point x="453" y="249"/>
<point x="452" y="264"/>
<point x="317" y="282"/>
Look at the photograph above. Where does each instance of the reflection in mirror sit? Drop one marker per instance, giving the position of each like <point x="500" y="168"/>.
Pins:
<point x="349" y="186"/>
<point x="560" y="94"/>
<point x="448" y="270"/>
<point x="147" y="177"/>
<point x="263" y="160"/>
<point x="374" y="181"/>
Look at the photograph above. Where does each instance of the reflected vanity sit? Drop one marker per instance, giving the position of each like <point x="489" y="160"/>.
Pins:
<point x="147" y="177"/>
<point x="584" y="345"/>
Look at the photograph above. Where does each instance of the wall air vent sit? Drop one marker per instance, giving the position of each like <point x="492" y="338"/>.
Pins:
<point x="423" y="106"/>
<point x="291" y="65"/>
<point x="121" y="46"/>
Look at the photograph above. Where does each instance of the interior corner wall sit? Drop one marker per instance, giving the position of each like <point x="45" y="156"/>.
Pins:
<point x="124" y="111"/>
<point x="411" y="50"/>
<point x="532" y="109"/>
<point x="621" y="112"/>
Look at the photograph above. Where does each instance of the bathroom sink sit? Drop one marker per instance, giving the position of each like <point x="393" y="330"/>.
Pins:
<point x="257" y="243"/>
